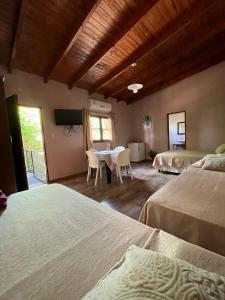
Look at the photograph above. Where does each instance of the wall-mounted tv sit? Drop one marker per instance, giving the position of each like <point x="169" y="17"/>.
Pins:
<point x="68" y="117"/>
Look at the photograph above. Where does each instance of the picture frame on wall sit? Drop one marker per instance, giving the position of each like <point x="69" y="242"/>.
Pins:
<point x="180" y="128"/>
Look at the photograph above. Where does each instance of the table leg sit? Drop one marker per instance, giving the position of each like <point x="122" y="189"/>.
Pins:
<point x="108" y="174"/>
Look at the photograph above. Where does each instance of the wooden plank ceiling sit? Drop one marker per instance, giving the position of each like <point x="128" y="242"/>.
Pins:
<point x="92" y="43"/>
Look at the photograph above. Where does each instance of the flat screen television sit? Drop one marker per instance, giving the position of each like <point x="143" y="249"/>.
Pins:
<point x="68" y="117"/>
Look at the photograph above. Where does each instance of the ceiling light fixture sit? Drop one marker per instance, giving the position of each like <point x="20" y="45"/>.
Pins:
<point x="135" y="87"/>
<point x="133" y="65"/>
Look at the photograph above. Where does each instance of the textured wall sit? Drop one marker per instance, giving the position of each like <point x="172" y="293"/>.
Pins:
<point x="64" y="154"/>
<point x="202" y="96"/>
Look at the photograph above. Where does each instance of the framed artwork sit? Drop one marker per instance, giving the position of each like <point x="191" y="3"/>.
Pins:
<point x="180" y="128"/>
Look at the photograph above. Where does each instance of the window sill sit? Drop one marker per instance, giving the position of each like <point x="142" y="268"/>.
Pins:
<point x="102" y="141"/>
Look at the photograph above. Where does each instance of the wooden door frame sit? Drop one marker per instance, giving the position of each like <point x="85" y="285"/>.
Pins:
<point x="168" y="132"/>
<point x="43" y="134"/>
<point x="8" y="176"/>
<point x="17" y="143"/>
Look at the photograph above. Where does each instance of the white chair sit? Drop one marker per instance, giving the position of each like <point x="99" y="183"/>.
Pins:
<point x="119" y="148"/>
<point x="123" y="160"/>
<point x="94" y="163"/>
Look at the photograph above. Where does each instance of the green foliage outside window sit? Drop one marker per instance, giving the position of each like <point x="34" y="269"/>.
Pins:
<point x="31" y="128"/>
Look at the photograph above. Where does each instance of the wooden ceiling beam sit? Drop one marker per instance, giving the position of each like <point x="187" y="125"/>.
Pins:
<point x="84" y="16"/>
<point x="192" y="71"/>
<point x="203" y="53"/>
<point x="17" y="33"/>
<point x="157" y="69"/>
<point x="129" y="20"/>
<point x="180" y="72"/>
<point x="169" y="31"/>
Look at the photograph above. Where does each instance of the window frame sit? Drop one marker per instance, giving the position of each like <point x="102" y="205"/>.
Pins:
<point x="101" y="129"/>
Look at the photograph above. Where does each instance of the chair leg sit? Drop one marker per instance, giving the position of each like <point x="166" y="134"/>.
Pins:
<point x="117" y="174"/>
<point x="101" y="172"/>
<point x="88" y="174"/>
<point x="119" y="171"/>
<point x="131" y="174"/>
<point x="96" y="178"/>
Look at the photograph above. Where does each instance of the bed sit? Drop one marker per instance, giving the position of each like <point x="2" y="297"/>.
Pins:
<point x="176" y="161"/>
<point x="191" y="207"/>
<point x="57" y="243"/>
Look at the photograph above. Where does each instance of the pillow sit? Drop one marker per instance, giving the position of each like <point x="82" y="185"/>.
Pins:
<point x="200" y="163"/>
<point x="220" y="149"/>
<point x="215" y="163"/>
<point x="145" y="274"/>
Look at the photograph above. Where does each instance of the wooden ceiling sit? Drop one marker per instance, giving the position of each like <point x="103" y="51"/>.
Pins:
<point x="92" y="43"/>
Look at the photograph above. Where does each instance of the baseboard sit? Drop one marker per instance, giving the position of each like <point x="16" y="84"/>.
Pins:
<point x="67" y="177"/>
<point x="149" y="160"/>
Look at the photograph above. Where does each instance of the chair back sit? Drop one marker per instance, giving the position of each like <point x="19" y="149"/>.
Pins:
<point x="119" y="148"/>
<point x="123" y="158"/>
<point x="92" y="159"/>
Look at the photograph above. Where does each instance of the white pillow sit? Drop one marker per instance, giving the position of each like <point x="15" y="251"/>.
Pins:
<point x="215" y="163"/>
<point x="200" y="163"/>
<point x="145" y="274"/>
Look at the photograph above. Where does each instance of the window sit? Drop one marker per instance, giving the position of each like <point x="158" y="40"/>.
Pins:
<point x="101" y="129"/>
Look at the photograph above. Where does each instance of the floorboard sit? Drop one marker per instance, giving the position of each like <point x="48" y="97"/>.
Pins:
<point x="127" y="198"/>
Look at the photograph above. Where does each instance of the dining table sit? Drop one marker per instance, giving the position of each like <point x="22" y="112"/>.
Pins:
<point x="109" y="157"/>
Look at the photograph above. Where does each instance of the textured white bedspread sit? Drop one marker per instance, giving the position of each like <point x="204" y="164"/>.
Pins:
<point x="56" y="244"/>
<point x="191" y="207"/>
<point x="176" y="160"/>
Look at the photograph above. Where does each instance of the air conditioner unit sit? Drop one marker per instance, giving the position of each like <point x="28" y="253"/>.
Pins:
<point x="100" y="106"/>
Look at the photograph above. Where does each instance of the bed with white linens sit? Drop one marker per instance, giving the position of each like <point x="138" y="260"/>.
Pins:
<point x="176" y="161"/>
<point x="57" y="244"/>
<point x="191" y="207"/>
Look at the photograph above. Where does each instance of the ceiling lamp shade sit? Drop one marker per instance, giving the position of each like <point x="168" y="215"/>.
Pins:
<point x="135" y="87"/>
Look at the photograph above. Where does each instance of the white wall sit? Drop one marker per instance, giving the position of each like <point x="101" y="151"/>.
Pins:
<point x="64" y="154"/>
<point x="202" y="96"/>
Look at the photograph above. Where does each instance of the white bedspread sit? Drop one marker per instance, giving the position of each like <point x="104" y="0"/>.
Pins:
<point x="177" y="160"/>
<point x="191" y="207"/>
<point x="56" y="244"/>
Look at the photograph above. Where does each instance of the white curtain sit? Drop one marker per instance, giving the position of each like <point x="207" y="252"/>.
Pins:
<point x="87" y="132"/>
<point x="88" y="141"/>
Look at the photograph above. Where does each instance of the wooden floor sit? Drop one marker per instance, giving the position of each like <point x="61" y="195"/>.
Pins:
<point x="127" y="198"/>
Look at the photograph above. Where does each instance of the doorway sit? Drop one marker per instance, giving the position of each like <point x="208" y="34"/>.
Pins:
<point x="177" y="130"/>
<point x="33" y="145"/>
